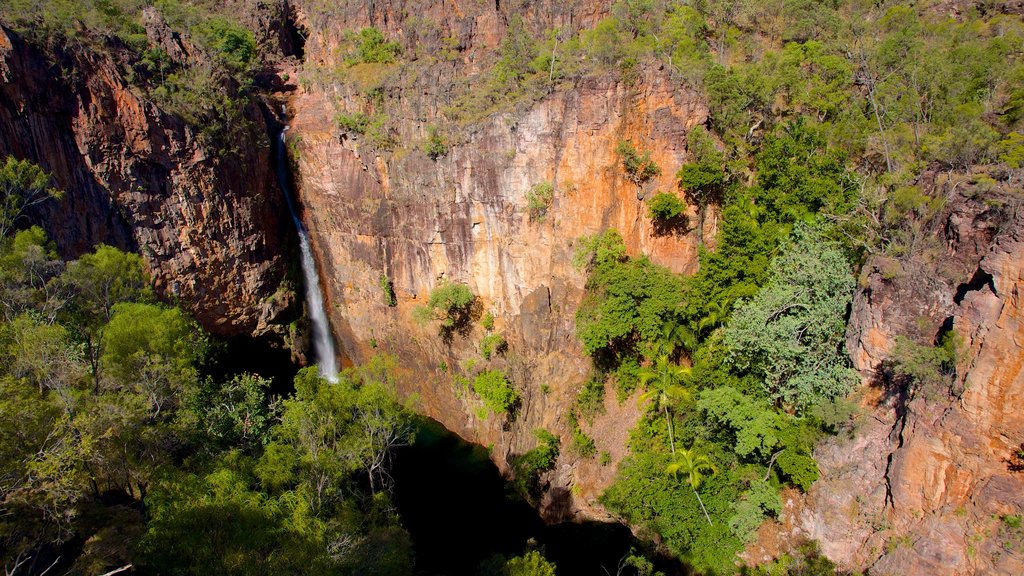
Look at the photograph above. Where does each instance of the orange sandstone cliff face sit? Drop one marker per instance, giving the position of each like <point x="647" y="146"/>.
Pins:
<point x="922" y="483"/>
<point x="209" y="225"/>
<point x="919" y="487"/>
<point x="462" y="217"/>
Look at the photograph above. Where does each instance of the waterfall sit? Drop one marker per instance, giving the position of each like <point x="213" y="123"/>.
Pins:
<point x="323" y="343"/>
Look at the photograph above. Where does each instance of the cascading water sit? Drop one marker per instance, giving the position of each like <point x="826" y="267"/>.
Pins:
<point x="323" y="344"/>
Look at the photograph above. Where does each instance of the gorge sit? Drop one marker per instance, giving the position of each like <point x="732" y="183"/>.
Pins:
<point x="574" y="269"/>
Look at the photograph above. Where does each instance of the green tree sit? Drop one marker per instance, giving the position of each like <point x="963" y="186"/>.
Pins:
<point x="758" y="501"/>
<point x="22" y="186"/>
<point x="494" y="389"/>
<point x="628" y="301"/>
<point x="702" y="180"/>
<point x="530" y="564"/>
<point x="793" y="332"/>
<point x="235" y="413"/>
<point x="96" y="282"/>
<point x="667" y="211"/>
<point x="451" y="303"/>
<point x="152" y="350"/>
<point x="639" y="166"/>
<point x="28" y="268"/>
<point x="663" y="378"/>
<point x="695" y="466"/>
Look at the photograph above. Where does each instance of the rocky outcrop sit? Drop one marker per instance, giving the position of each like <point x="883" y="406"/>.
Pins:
<point x="418" y="221"/>
<point x="208" y="223"/>
<point x="923" y="484"/>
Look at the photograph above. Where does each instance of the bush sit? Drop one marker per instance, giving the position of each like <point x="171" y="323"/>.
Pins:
<point x="536" y="461"/>
<point x="530" y="564"/>
<point x="388" y="288"/>
<point x="665" y="207"/>
<point x="639" y="166"/>
<point x="799" y="469"/>
<point x="356" y="122"/>
<point x="450" y="303"/>
<point x="497" y="394"/>
<point x="492" y="344"/>
<point x="373" y="48"/>
<point x="628" y="300"/>
<point x="538" y="200"/>
<point x="582" y="444"/>
<point x="590" y="399"/>
<point x="435" y="145"/>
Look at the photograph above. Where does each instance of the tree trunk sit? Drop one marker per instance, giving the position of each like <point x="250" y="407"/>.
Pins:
<point x="671" y="438"/>
<point x="703" y="509"/>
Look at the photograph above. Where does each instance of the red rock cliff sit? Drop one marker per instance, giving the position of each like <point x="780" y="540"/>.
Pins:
<point x="209" y="225"/>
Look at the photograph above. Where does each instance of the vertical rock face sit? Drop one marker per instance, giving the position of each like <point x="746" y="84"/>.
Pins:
<point x="922" y="485"/>
<point x="418" y="221"/>
<point x="208" y="225"/>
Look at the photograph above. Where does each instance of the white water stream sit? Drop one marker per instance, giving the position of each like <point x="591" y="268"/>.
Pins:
<point x="323" y="343"/>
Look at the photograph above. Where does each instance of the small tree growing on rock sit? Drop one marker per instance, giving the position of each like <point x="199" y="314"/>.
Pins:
<point x="450" y="303"/>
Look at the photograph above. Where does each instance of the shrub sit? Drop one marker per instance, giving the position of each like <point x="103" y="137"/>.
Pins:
<point x="799" y="469"/>
<point x="538" y="200"/>
<point x="436" y="145"/>
<point x="492" y="344"/>
<point x="530" y="564"/>
<point x="450" y="303"/>
<point x="235" y="45"/>
<point x="590" y="399"/>
<point x="665" y="207"/>
<point x="493" y="388"/>
<point x="639" y="166"/>
<point x="582" y="444"/>
<point x="760" y="500"/>
<point x="488" y="321"/>
<point x="356" y="122"/>
<point x="628" y="300"/>
<point x="536" y="461"/>
<point x="373" y="48"/>
<point x="388" y="288"/>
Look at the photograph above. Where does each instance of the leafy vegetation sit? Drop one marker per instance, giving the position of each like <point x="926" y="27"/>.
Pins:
<point x="22" y="186"/>
<point x="497" y="394"/>
<point x="638" y="165"/>
<point x="388" y="288"/>
<point x="536" y="461"/>
<point x="436" y="145"/>
<point x="373" y="48"/>
<point x="539" y="199"/>
<point x="450" y="304"/>
<point x="492" y="344"/>
<point x="114" y="432"/>
<point x="667" y="211"/>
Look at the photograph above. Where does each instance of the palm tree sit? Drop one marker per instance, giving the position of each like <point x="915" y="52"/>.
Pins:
<point x="663" y="377"/>
<point x="676" y="336"/>
<point x="695" y="466"/>
<point x="716" y="314"/>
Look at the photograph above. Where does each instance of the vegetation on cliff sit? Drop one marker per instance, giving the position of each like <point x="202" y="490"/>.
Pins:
<point x="119" y="448"/>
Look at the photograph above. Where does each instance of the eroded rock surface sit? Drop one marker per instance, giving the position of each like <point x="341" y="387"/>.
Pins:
<point x="209" y="224"/>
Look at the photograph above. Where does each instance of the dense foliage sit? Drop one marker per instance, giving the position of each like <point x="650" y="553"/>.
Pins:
<point x="118" y="448"/>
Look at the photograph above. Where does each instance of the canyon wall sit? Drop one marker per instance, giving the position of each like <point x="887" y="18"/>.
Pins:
<point x="418" y="222"/>
<point x="925" y="480"/>
<point x="209" y="224"/>
<point x="918" y="487"/>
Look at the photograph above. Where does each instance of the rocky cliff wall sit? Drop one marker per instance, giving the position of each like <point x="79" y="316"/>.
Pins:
<point x="462" y="217"/>
<point x="925" y="481"/>
<point x="209" y="224"/>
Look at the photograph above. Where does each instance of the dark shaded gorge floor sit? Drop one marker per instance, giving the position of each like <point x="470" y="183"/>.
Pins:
<point x="460" y="513"/>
